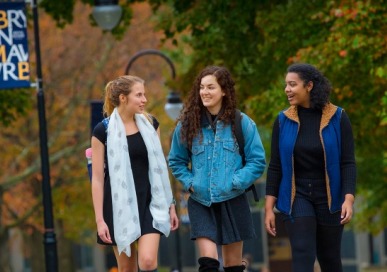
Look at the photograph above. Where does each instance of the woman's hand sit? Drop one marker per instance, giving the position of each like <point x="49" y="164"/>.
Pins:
<point x="103" y="232"/>
<point x="347" y="209"/>
<point x="270" y="222"/>
<point x="269" y="215"/>
<point x="173" y="217"/>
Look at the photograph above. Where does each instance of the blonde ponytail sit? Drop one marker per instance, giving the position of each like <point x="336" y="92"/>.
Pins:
<point x="108" y="106"/>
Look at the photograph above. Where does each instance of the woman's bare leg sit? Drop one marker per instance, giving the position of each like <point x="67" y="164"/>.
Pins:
<point x="148" y="248"/>
<point x="232" y="254"/>
<point x="125" y="263"/>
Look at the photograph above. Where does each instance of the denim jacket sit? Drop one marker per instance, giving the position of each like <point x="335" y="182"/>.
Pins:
<point x="213" y="166"/>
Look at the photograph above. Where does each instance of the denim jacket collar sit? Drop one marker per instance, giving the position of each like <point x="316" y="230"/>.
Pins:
<point x="204" y="122"/>
<point x="205" y="115"/>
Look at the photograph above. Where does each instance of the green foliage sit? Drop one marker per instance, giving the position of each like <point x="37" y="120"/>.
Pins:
<point x="217" y="31"/>
<point x="257" y="40"/>
<point x="14" y="103"/>
<point x="74" y="200"/>
<point x="63" y="13"/>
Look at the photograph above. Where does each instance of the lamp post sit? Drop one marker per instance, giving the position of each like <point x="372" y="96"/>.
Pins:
<point x="107" y="13"/>
<point x="174" y="104"/>
<point x="172" y="108"/>
<point x="51" y="258"/>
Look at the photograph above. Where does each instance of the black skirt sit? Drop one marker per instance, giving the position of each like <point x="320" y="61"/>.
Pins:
<point x="224" y="222"/>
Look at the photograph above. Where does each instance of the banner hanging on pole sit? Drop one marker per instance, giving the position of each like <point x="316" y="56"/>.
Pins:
<point x="14" y="57"/>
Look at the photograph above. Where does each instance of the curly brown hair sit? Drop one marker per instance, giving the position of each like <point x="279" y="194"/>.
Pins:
<point x="193" y="108"/>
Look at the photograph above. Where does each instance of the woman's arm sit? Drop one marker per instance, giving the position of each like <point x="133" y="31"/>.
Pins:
<point x="254" y="155"/>
<point x="274" y="171"/>
<point x="347" y="162"/>
<point x="269" y="214"/>
<point x="273" y="179"/>
<point x="348" y="168"/>
<point x="179" y="159"/>
<point x="97" y="187"/>
<point x="173" y="217"/>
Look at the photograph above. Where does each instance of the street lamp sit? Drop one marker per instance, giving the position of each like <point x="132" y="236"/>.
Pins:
<point x="172" y="108"/>
<point x="174" y="104"/>
<point x="107" y="13"/>
<point x="51" y="257"/>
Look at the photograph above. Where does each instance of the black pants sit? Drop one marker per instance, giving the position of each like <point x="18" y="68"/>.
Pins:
<point x="309" y="239"/>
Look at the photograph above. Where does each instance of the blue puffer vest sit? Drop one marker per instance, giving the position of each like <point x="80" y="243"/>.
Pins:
<point x="330" y="134"/>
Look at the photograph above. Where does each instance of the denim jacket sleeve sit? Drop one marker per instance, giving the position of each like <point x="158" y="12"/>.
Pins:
<point x="179" y="159"/>
<point x="254" y="155"/>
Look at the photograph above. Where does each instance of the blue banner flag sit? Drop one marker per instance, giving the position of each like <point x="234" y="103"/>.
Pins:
<point x="14" y="57"/>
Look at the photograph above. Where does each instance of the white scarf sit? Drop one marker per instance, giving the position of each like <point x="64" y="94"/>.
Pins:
<point x="125" y="210"/>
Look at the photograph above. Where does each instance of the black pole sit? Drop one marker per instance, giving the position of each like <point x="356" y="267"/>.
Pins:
<point x="49" y="240"/>
<point x="151" y="52"/>
<point x="169" y="61"/>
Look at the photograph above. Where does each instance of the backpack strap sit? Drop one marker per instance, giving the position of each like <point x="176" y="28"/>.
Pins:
<point x="239" y="135"/>
<point x="241" y="144"/>
<point x="105" y="122"/>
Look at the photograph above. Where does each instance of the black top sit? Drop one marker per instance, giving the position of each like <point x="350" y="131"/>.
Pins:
<point x="309" y="155"/>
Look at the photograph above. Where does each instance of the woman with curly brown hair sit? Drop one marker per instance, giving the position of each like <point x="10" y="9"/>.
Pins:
<point x="205" y="158"/>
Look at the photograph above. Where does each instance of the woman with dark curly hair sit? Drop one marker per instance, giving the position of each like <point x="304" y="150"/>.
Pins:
<point x="312" y="172"/>
<point x="205" y="158"/>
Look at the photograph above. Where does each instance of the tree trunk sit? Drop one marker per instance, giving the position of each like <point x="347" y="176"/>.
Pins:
<point x="35" y="247"/>
<point x="4" y="249"/>
<point x="65" y="250"/>
<point x="16" y="250"/>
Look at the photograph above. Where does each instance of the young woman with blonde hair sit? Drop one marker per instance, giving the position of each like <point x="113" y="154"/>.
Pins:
<point x="131" y="190"/>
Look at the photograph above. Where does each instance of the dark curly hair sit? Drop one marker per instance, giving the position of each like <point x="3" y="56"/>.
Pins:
<point x="193" y="108"/>
<point x="319" y="95"/>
